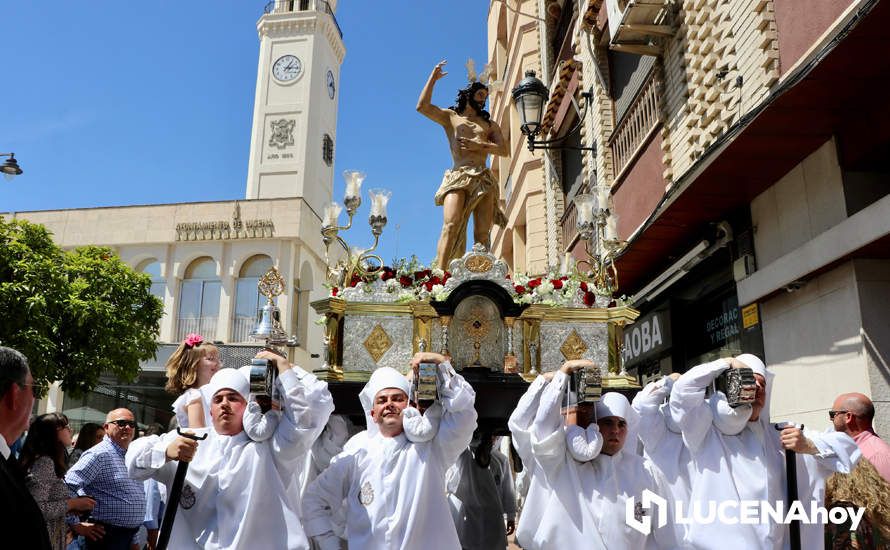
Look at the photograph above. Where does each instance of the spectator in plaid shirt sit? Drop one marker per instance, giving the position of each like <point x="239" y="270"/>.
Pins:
<point x="101" y="473"/>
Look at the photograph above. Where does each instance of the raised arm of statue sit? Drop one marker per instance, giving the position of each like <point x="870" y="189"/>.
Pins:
<point x="424" y="103"/>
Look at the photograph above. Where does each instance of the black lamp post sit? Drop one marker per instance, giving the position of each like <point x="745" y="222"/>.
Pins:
<point x="529" y="97"/>
<point x="10" y="168"/>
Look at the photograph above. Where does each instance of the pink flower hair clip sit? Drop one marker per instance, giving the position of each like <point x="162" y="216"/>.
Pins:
<point x="192" y="340"/>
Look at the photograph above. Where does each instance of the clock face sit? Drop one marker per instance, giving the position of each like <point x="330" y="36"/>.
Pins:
<point x="287" y="68"/>
<point x="332" y="87"/>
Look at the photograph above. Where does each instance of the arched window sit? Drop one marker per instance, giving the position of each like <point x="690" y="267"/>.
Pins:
<point x="152" y="268"/>
<point x="248" y="299"/>
<point x="199" y="299"/>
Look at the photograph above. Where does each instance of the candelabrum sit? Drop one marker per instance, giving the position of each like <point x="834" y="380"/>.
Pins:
<point x="597" y="228"/>
<point x="357" y="261"/>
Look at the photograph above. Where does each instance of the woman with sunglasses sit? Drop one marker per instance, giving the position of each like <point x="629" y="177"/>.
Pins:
<point x="44" y="459"/>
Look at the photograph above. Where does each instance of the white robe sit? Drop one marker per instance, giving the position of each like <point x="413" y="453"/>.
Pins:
<point x="393" y="490"/>
<point x="591" y="495"/>
<point x="663" y="444"/>
<point x="750" y="466"/>
<point x="239" y="493"/>
<point x="542" y="513"/>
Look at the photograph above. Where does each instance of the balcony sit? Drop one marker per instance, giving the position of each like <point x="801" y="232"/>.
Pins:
<point x="636" y="127"/>
<point x="290" y="6"/>
<point x="569" y="223"/>
<point x="241" y="328"/>
<point x="205" y="326"/>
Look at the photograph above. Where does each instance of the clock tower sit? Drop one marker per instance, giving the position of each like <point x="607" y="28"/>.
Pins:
<point x="295" y="109"/>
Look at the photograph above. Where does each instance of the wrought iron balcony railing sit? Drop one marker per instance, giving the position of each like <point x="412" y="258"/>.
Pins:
<point x="288" y="6"/>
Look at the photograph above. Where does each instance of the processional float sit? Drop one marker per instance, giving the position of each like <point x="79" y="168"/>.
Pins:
<point x="501" y="330"/>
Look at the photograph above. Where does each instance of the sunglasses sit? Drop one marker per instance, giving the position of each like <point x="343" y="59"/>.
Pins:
<point x="37" y="388"/>
<point x="832" y="414"/>
<point x="123" y="423"/>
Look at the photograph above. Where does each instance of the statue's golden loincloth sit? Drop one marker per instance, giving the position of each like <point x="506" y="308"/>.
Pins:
<point x="476" y="184"/>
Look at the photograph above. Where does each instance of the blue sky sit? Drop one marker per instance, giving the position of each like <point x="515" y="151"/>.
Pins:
<point x="116" y="103"/>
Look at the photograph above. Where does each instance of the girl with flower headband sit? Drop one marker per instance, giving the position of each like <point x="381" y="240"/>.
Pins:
<point x="191" y="366"/>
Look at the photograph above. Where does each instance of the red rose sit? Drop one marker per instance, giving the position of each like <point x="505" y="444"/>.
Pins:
<point x="583" y="286"/>
<point x="421" y="274"/>
<point x="428" y="286"/>
<point x="435" y="280"/>
<point x="406" y="281"/>
<point x="334" y="291"/>
<point x="589" y="299"/>
<point x="557" y="283"/>
<point x="355" y="280"/>
<point x="534" y="283"/>
<point x="387" y="274"/>
<point x="519" y="289"/>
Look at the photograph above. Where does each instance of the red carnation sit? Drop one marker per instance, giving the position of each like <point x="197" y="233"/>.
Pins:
<point x="406" y="281"/>
<point x="355" y="279"/>
<point x="334" y="291"/>
<point x="519" y="289"/>
<point x="428" y="286"/>
<point x="589" y="299"/>
<point x="435" y="280"/>
<point x="583" y="286"/>
<point x="534" y="283"/>
<point x="557" y="283"/>
<point x="387" y="274"/>
<point x="421" y="274"/>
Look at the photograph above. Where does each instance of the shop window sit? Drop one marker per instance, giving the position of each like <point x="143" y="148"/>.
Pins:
<point x="248" y="299"/>
<point x="199" y="299"/>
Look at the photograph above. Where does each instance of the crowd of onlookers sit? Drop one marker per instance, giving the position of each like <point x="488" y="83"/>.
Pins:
<point x="68" y="491"/>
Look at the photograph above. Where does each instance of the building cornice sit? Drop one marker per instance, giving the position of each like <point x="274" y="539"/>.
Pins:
<point x="277" y="25"/>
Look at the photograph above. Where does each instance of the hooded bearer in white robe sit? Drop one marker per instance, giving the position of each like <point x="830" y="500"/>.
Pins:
<point x="590" y="473"/>
<point x="662" y="442"/>
<point x="749" y="464"/>
<point x="392" y="488"/>
<point x="542" y="512"/>
<point x="239" y="493"/>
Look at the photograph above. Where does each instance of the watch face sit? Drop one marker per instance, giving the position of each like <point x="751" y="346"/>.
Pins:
<point x="332" y="87"/>
<point x="287" y="68"/>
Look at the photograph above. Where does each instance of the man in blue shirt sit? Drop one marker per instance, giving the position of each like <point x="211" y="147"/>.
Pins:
<point x="101" y="473"/>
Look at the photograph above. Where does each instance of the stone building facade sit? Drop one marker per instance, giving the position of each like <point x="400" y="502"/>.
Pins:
<point x="744" y="144"/>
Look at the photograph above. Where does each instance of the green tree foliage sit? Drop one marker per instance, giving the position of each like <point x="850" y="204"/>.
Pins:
<point x="74" y="314"/>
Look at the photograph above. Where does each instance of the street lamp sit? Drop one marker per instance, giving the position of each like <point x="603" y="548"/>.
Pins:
<point x="10" y="168"/>
<point x="529" y="97"/>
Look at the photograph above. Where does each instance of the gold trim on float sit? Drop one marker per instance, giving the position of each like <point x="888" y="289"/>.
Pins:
<point x="623" y="314"/>
<point x="573" y="347"/>
<point x="620" y="382"/>
<point x="371" y="308"/>
<point x="329" y="305"/>
<point x="377" y="343"/>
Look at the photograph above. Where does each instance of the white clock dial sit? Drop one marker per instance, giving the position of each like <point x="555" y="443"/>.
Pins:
<point x="332" y="86"/>
<point x="287" y="68"/>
